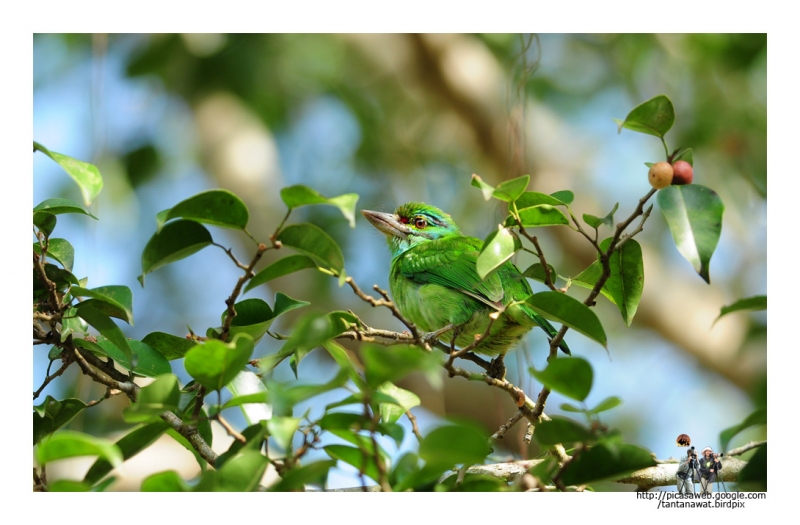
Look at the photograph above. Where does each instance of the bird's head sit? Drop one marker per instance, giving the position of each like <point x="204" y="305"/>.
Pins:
<point x="411" y="224"/>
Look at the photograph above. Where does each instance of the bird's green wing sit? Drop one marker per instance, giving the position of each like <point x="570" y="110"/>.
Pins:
<point x="451" y="262"/>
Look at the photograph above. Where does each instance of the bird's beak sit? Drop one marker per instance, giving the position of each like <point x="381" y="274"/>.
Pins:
<point x="387" y="223"/>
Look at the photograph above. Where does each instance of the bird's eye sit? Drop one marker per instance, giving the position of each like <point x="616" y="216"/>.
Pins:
<point x="420" y="223"/>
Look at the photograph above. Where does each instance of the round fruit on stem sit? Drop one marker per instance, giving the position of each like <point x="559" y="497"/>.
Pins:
<point x="660" y="175"/>
<point x="683" y="172"/>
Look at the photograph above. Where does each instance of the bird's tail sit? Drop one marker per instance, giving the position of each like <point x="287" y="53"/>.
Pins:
<point x="551" y="331"/>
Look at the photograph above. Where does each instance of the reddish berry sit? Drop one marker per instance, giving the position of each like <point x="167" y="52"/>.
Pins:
<point x="682" y="172"/>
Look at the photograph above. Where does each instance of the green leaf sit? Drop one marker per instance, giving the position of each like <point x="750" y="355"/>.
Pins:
<point x="606" y="404"/>
<point x="568" y="311"/>
<point x="536" y="271"/>
<point x="498" y="247"/>
<point x="283" y="399"/>
<point x="365" y="463"/>
<point x="531" y="199"/>
<point x="169" y="481"/>
<point x="753" y="476"/>
<point x="684" y="155"/>
<point x="241" y="473"/>
<point x="72" y="324"/>
<point x="571" y="376"/>
<point x="176" y="240"/>
<point x="310" y="332"/>
<point x="282" y="267"/>
<point x="217" y="207"/>
<point x="694" y="216"/>
<point x="60" y="250"/>
<point x="392" y="363"/>
<point x="541" y="215"/>
<point x="119" y="298"/>
<point x="561" y="430"/>
<point x="454" y="445"/>
<point x="603" y="461"/>
<point x="758" y="302"/>
<point x="510" y="190"/>
<point x="282" y="429"/>
<point x="486" y="189"/>
<point x="311" y="240"/>
<point x="168" y="345"/>
<point x="757" y="418"/>
<point x="284" y="303"/>
<point x="391" y="412"/>
<point x="625" y="284"/>
<point x="340" y="355"/>
<point x="53" y="414"/>
<point x="103" y="324"/>
<point x="254" y="436"/>
<point x="253" y="317"/>
<point x="68" y="485"/>
<point x="296" y="196"/>
<point x="251" y="395"/>
<point x="45" y="221"/>
<point x="61" y="206"/>
<point x="62" y="278"/>
<point x="160" y="396"/>
<point x="69" y="444"/>
<point x="130" y="445"/>
<point x="149" y="361"/>
<point x="507" y="191"/>
<point x="214" y="363"/>
<point x="86" y="175"/>
<point x="566" y="407"/>
<point x="311" y="474"/>
<point x="653" y="117"/>
<point x="595" y="222"/>
<point x="564" y="196"/>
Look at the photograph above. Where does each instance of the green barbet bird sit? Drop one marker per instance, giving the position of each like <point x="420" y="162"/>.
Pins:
<point x="434" y="282"/>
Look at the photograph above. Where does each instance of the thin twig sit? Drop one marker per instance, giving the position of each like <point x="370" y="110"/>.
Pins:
<point x="505" y="427"/>
<point x="230" y="301"/>
<point x="230" y="430"/>
<point x="65" y="364"/>
<point x="414" y="428"/>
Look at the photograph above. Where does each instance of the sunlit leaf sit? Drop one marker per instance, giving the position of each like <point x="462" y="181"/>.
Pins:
<point x="103" y="324"/>
<point x="217" y="207"/>
<point x="119" y="297"/>
<point x="282" y="267"/>
<point x="653" y="117"/>
<point x="571" y="376"/>
<point x="437" y="448"/>
<point x="61" y="206"/>
<point x="86" y="175"/>
<point x="498" y="247"/>
<point x="176" y="240"/>
<point x="214" y="363"/>
<point x="299" y="195"/>
<point x="568" y="311"/>
<point x="755" y="303"/>
<point x="314" y="242"/>
<point x="60" y="250"/>
<point x="694" y="216"/>
<point x="70" y="444"/>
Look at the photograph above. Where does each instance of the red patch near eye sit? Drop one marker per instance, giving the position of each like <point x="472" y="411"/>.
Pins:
<point x="404" y="220"/>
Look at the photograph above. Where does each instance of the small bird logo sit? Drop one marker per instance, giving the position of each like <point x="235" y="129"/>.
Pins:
<point x="683" y="440"/>
<point x="435" y="283"/>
